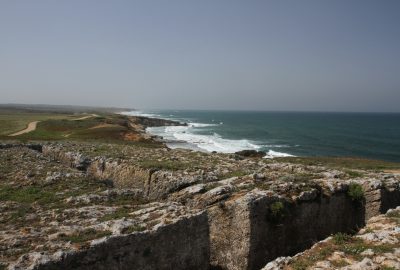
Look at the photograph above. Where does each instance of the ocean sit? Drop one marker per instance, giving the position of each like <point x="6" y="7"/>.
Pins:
<point x="279" y="134"/>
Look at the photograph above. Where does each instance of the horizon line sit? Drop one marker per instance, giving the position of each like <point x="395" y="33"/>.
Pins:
<point x="191" y="109"/>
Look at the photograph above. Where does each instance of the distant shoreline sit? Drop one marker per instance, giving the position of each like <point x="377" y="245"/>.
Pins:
<point x="283" y="134"/>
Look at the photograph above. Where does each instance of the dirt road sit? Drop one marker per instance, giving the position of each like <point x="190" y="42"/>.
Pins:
<point x="31" y="127"/>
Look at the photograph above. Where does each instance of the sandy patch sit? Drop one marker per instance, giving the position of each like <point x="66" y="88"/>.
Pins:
<point x="103" y="126"/>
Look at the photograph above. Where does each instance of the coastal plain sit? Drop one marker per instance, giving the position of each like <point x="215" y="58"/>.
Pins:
<point x="90" y="189"/>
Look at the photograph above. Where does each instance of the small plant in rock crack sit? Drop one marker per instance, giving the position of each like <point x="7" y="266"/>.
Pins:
<point x="341" y="238"/>
<point x="276" y="212"/>
<point x="356" y="192"/>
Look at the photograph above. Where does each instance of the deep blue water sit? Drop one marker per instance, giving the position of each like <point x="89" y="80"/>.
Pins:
<point x="369" y="135"/>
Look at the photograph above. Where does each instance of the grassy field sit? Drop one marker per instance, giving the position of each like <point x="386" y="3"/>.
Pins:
<point x="350" y="163"/>
<point x="13" y="121"/>
<point x="106" y="127"/>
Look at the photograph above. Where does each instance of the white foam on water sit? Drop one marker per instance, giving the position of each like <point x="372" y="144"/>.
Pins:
<point x="140" y="113"/>
<point x="273" y="154"/>
<point x="186" y="137"/>
<point x="276" y="145"/>
<point x="209" y="143"/>
<point x="199" y="125"/>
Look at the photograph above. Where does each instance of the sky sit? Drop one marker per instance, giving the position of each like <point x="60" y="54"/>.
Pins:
<point x="309" y="55"/>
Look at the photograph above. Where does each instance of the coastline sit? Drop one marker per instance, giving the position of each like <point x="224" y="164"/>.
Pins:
<point x="126" y="192"/>
<point x="186" y="135"/>
<point x="170" y="143"/>
<point x="282" y="134"/>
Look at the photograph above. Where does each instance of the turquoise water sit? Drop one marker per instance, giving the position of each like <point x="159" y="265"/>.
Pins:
<point x="369" y="135"/>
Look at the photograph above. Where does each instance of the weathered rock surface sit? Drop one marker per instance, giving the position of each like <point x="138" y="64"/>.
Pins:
<point x="101" y="205"/>
<point x="182" y="244"/>
<point x="376" y="246"/>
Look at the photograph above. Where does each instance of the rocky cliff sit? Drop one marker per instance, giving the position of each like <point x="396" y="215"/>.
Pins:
<point x="114" y="206"/>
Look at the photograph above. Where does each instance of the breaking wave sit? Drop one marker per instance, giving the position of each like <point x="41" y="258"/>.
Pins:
<point x="189" y="137"/>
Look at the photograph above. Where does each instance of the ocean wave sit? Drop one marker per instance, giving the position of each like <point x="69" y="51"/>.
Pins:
<point x="176" y="135"/>
<point x="140" y="113"/>
<point x="200" y="125"/>
<point x="208" y="143"/>
<point x="216" y="143"/>
<point x="273" y="154"/>
<point x="276" y="145"/>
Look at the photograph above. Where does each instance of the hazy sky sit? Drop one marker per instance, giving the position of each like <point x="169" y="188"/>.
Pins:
<point x="259" y="55"/>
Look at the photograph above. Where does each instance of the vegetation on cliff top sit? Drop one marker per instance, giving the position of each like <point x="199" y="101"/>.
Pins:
<point x="349" y="163"/>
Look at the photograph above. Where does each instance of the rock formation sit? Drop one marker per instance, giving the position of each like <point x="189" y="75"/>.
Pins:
<point x="107" y="206"/>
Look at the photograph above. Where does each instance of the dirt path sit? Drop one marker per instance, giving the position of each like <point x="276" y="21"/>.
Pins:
<point x="31" y="127"/>
<point x="85" y="117"/>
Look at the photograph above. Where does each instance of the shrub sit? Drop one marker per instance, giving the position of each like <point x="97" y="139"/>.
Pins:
<point x="276" y="212"/>
<point x="132" y="229"/>
<point x="341" y="238"/>
<point x="354" y="174"/>
<point x="355" y="192"/>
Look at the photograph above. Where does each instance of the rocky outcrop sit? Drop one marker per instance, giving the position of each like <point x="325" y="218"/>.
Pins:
<point x="183" y="244"/>
<point x="36" y="147"/>
<point x="302" y="223"/>
<point x="248" y="232"/>
<point x="72" y="159"/>
<point x="250" y="153"/>
<point x="256" y="210"/>
<point x="121" y="174"/>
<point x="230" y="233"/>
<point x="154" y="122"/>
<point x="374" y="247"/>
<point x="380" y="196"/>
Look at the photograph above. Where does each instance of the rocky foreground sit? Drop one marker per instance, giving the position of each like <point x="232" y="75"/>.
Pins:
<point x="374" y="247"/>
<point x="116" y="206"/>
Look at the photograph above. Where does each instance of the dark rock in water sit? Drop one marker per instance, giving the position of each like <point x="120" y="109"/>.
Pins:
<point x="250" y="153"/>
<point x="155" y="122"/>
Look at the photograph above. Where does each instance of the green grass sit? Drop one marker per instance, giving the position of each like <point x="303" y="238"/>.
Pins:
<point x="45" y="195"/>
<point x="86" y="235"/>
<point x="341" y="238"/>
<point x="351" y="246"/>
<point x="26" y="195"/>
<point x="61" y="127"/>
<point x="132" y="229"/>
<point x="237" y="173"/>
<point x="298" y="177"/>
<point x="19" y="214"/>
<point x="387" y="268"/>
<point x="349" y="163"/>
<point x="11" y="122"/>
<point x="340" y="263"/>
<point x="354" y="174"/>
<point x="119" y="213"/>
<point x="164" y="165"/>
